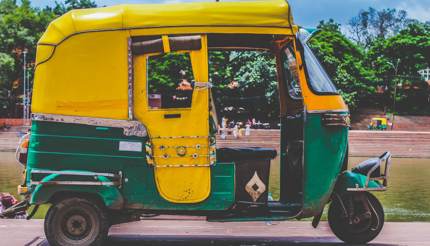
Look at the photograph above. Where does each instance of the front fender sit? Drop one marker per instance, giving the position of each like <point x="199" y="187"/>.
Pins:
<point x="350" y="180"/>
<point x="46" y="189"/>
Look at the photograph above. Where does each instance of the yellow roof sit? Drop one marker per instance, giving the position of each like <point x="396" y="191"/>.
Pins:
<point x="269" y="13"/>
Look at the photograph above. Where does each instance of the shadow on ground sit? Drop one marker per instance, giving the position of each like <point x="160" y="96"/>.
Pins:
<point x="132" y="240"/>
<point x="129" y="240"/>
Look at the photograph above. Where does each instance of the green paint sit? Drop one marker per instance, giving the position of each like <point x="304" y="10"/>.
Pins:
<point x="354" y="180"/>
<point x="61" y="146"/>
<point x="110" y="195"/>
<point x="325" y="150"/>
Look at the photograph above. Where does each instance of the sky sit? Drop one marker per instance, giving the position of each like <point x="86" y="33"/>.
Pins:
<point x="308" y="13"/>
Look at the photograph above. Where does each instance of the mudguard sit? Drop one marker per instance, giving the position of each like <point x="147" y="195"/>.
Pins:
<point x="46" y="189"/>
<point x="349" y="180"/>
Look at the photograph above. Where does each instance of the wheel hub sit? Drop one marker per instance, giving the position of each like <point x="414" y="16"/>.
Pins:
<point x="77" y="226"/>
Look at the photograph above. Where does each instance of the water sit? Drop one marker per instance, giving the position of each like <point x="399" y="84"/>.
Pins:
<point x="11" y="173"/>
<point x="408" y="194"/>
<point x="407" y="199"/>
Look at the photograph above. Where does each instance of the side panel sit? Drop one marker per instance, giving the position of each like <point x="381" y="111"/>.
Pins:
<point x="325" y="150"/>
<point x="61" y="146"/>
<point x="86" y="75"/>
<point x="110" y="195"/>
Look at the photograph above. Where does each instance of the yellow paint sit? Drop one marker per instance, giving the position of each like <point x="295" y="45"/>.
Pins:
<point x="252" y="14"/>
<point x="314" y="102"/>
<point x="86" y="76"/>
<point x="44" y="52"/>
<point x="374" y="120"/>
<point x="166" y="44"/>
<point x="178" y="184"/>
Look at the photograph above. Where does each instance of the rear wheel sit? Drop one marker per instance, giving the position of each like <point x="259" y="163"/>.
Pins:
<point x="76" y="221"/>
<point x="356" y="217"/>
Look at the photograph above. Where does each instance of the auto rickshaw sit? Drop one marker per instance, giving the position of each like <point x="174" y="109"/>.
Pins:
<point x="107" y="146"/>
<point x="378" y="123"/>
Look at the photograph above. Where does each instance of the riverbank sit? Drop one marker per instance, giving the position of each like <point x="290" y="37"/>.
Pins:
<point x="196" y="231"/>
<point x="401" y="144"/>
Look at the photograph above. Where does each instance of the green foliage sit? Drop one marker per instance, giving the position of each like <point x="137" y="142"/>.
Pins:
<point x="398" y="59"/>
<point x="373" y="24"/>
<point x="245" y="79"/>
<point x="21" y="26"/>
<point x="343" y="61"/>
<point x="166" y="71"/>
<point x="389" y="59"/>
<point x="7" y="65"/>
<point x="61" y="8"/>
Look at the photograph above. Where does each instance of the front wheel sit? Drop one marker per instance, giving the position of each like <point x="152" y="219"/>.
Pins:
<point x="76" y="221"/>
<point x="356" y="217"/>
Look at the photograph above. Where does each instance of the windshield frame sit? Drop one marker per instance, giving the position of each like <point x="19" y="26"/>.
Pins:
<point x="301" y="44"/>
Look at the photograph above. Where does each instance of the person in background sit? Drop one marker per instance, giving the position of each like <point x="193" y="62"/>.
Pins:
<point x="248" y="129"/>
<point x="235" y="131"/>
<point x="224" y="128"/>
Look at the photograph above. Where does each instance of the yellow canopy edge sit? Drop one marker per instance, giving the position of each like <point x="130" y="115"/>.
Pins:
<point x="266" y="14"/>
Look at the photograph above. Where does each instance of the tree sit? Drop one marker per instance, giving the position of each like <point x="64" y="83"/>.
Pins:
<point x="61" y="8"/>
<point x="7" y="65"/>
<point x="372" y="24"/>
<point x="20" y="28"/>
<point x="343" y="61"/>
<point x="245" y="79"/>
<point x="411" y="49"/>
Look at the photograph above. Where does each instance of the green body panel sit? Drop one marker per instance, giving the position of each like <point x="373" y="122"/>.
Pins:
<point x="324" y="153"/>
<point x="110" y="195"/>
<point x="350" y="179"/>
<point x="60" y="146"/>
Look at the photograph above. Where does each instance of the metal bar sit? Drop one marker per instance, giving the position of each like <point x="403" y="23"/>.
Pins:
<point x="183" y="165"/>
<point x="24" y="85"/>
<point x="178" y="137"/>
<point x="367" y="189"/>
<point x="90" y="183"/>
<point x="130" y="80"/>
<point x="75" y="173"/>
<point x="173" y="156"/>
<point x="130" y="127"/>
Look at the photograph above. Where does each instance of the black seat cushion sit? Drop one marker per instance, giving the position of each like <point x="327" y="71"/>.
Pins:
<point x="239" y="154"/>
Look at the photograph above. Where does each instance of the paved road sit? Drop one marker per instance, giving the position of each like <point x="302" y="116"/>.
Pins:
<point x="173" y="232"/>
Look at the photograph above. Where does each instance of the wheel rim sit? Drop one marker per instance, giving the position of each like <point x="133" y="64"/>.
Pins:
<point x="76" y="225"/>
<point x="363" y="225"/>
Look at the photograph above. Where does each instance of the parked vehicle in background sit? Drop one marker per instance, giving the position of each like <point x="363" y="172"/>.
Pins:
<point x="378" y="123"/>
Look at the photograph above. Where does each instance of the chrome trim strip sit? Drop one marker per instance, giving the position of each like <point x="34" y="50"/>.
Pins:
<point x="367" y="189"/>
<point x="336" y="119"/>
<point x="130" y="127"/>
<point x="76" y="173"/>
<point x="90" y="183"/>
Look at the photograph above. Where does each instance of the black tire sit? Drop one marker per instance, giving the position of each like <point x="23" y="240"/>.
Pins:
<point x="76" y="221"/>
<point x="360" y="233"/>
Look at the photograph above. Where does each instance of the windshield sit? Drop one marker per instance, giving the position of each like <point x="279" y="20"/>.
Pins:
<point x="318" y="79"/>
